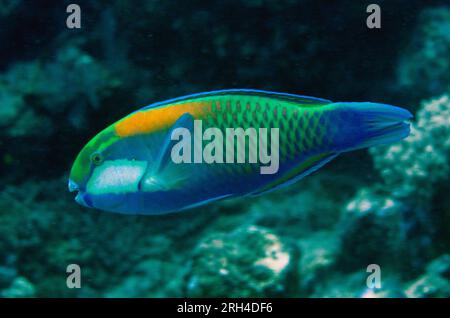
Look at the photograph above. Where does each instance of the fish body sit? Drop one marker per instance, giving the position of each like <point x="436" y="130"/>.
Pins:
<point x="129" y="167"/>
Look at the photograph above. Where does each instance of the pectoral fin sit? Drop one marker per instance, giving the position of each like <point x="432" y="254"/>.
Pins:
<point x="158" y="175"/>
<point x="185" y="121"/>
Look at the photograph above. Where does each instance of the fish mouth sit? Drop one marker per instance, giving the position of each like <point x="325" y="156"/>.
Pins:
<point x="73" y="186"/>
<point x="81" y="197"/>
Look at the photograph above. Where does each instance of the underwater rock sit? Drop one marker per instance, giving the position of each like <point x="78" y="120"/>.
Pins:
<point x="247" y="262"/>
<point x="318" y="260"/>
<point x="12" y="104"/>
<point x="417" y="171"/>
<point x="79" y="75"/>
<point x="424" y="69"/>
<point x="58" y="86"/>
<point x="440" y="266"/>
<point x="32" y="92"/>
<point x="435" y="282"/>
<point x="345" y="285"/>
<point x="151" y="278"/>
<point x="43" y="230"/>
<point x="414" y="167"/>
<point x="354" y="285"/>
<point x="18" y="119"/>
<point x="393" y="291"/>
<point x="19" y="288"/>
<point x="370" y="232"/>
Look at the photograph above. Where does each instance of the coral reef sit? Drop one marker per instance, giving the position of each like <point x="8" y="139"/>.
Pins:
<point x="388" y="206"/>
<point x="417" y="167"/>
<point x="249" y="261"/>
<point x="371" y="232"/>
<point x="417" y="171"/>
<point x="20" y="288"/>
<point x="69" y="83"/>
<point x="434" y="282"/>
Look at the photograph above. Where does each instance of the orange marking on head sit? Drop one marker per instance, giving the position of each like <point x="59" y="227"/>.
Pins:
<point x="147" y="121"/>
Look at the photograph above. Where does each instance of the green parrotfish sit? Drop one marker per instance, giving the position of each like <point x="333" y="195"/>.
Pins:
<point x="192" y="150"/>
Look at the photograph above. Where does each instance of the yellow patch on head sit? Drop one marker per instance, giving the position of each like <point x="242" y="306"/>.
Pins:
<point x="147" y="121"/>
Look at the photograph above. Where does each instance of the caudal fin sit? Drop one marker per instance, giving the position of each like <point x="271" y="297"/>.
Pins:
<point x="377" y="124"/>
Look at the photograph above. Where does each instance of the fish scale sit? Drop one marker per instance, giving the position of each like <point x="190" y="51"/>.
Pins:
<point x="232" y="112"/>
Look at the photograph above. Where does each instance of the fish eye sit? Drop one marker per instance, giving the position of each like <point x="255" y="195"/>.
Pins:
<point x="96" y="158"/>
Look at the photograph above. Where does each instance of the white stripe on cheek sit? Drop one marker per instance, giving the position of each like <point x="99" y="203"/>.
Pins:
<point x="116" y="176"/>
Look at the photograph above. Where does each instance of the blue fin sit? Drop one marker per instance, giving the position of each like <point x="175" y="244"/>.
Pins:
<point x="379" y="123"/>
<point x="296" y="174"/>
<point x="300" y="99"/>
<point x="155" y="176"/>
<point x="198" y="204"/>
<point x="185" y="121"/>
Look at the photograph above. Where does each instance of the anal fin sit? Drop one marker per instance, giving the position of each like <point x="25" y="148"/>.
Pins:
<point x="295" y="174"/>
<point x="198" y="204"/>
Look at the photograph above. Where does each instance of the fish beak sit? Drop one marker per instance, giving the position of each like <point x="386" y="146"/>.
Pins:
<point x="73" y="186"/>
<point x="81" y="198"/>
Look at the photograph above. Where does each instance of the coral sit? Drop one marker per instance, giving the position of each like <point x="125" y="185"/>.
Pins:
<point x="11" y="103"/>
<point x="35" y="91"/>
<point x="416" y="172"/>
<point x="248" y="261"/>
<point x="415" y="167"/>
<point x="75" y="73"/>
<point x="20" y="287"/>
<point x="16" y="118"/>
<point x="151" y="278"/>
<point x="393" y="217"/>
<point x="43" y="231"/>
<point x="58" y="87"/>
<point x="318" y="260"/>
<point x="435" y="282"/>
<point x="354" y="285"/>
<point x="370" y="232"/>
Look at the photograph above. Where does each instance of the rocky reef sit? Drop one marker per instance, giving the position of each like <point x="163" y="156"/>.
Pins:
<point x="387" y="206"/>
<point x="249" y="261"/>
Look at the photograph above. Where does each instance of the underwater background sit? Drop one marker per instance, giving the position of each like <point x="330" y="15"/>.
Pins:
<point x="388" y="206"/>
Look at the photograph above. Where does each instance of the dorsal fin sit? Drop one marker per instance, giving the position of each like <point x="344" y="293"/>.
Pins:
<point x="300" y="99"/>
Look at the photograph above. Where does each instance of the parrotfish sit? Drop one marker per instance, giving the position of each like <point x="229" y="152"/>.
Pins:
<point x="144" y="163"/>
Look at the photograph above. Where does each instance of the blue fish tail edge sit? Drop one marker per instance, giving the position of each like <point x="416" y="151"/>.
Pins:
<point x="381" y="123"/>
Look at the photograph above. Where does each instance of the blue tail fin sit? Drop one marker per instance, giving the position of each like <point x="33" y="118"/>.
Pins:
<point x="377" y="124"/>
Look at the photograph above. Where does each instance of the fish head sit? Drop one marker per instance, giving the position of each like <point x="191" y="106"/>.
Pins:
<point x="104" y="173"/>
